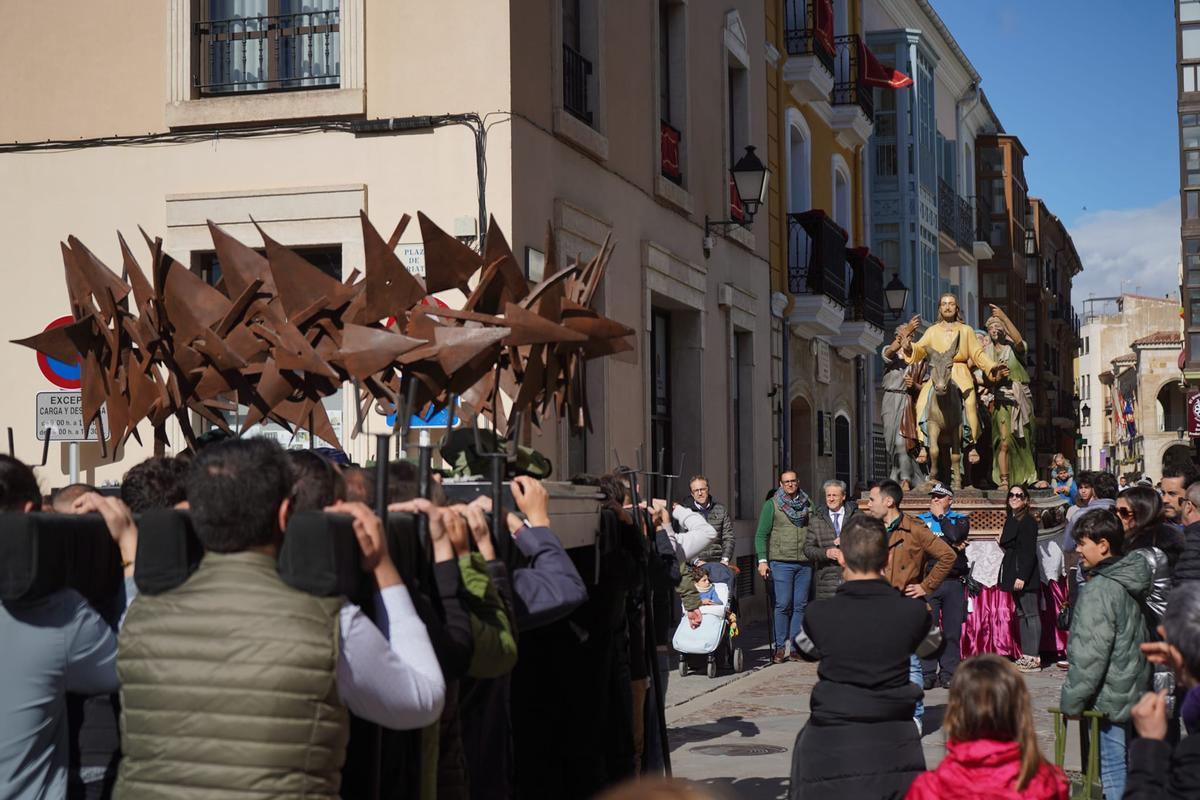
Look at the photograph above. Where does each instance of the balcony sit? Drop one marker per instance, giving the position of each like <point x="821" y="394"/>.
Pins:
<point x="270" y="53"/>
<point x="862" y="332"/>
<point x="956" y="227"/>
<point x="981" y="221"/>
<point x="577" y="73"/>
<point x="817" y="274"/>
<point x="853" y="99"/>
<point x="1063" y="410"/>
<point x="808" y="37"/>
<point x="669" y="162"/>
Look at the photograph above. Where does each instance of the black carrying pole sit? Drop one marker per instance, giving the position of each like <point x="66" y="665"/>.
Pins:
<point x="375" y="761"/>
<point x="648" y="606"/>
<point x="497" y="461"/>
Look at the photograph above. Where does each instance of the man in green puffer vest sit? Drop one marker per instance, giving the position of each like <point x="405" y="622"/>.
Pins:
<point x="1107" y="671"/>
<point x="235" y="684"/>
<point x="779" y="541"/>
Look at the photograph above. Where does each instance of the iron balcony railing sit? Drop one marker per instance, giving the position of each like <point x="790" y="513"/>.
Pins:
<point x="577" y="72"/>
<point x="866" y="287"/>
<point x="801" y="34"/>
<point x="817" y="256"/>
<point x="848" y="86"/>
<point x="669" y="151"/>
<point x="268" y="53"/>
<point x="955" y="216"/>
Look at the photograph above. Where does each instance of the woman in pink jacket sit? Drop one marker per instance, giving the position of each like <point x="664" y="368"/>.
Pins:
<point x="991" y="746"/>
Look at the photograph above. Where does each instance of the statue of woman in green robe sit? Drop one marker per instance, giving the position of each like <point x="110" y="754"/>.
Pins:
<point x="1011" y="406"/>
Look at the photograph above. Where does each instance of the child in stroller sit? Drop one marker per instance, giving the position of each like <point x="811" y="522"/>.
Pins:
<point x="718" y="631"/>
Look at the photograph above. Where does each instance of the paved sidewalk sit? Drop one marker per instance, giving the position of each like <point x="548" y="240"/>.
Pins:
<point x="760" y="712"/>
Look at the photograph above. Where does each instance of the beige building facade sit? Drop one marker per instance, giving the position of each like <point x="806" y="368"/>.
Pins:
<point x="602" y="119"/>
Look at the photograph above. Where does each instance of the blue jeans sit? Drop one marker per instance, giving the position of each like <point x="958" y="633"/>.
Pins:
<point x="791" y="579"/>
<point x="1113" y="739"/>
<point x="917" y="675"/>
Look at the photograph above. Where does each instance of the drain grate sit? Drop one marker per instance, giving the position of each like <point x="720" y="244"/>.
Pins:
<point x="738" y="749"/>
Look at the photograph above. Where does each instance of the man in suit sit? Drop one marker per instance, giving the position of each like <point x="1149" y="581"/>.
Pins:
<point x="824" y="538"/>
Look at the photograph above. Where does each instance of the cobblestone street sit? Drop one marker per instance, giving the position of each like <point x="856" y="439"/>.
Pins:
<point x="735" y="733"/>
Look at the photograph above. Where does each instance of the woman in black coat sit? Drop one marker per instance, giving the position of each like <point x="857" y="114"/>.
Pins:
<point x="1019" y="575"/>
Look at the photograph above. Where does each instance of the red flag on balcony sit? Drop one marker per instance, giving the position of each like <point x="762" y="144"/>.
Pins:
<point x="875" y="74"/>
<point x="823" y="24"/>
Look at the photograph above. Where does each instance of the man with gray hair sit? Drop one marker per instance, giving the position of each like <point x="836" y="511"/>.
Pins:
<point x="824" y="537"/>
<point x="1154" y="770"/>
<point x="1187" y="569"/>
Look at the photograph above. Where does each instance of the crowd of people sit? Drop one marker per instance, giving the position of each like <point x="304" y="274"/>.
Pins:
<point x="1133" y="647"/>
<point x="467" y="675"/>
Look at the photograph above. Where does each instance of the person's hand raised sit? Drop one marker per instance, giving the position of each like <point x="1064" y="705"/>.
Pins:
<point x="439" y="537"/>
<point x="481" y="533"/>
<point x="532" y="499"/>
<point x="118" y="519"/>
<point x="1150" y="715"/>
<point x="368" y="528"/>
<point x="456" y="527"/>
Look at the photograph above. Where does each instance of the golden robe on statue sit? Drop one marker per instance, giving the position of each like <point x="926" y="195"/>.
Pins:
<point x="958" y="338"/>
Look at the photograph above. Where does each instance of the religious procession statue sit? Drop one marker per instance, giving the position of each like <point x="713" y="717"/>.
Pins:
<point x="1009" y="403"/>
<point x="901" y="384"/>
<point x="947" y="405"/>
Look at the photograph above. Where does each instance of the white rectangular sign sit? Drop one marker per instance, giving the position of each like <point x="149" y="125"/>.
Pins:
<point x="62" y="413"/>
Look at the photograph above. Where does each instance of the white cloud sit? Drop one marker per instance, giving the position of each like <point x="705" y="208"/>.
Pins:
<point x="1137" y="246"/>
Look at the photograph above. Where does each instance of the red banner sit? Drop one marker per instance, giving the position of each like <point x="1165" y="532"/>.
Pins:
<point x="873" y="73"/>
<point x="1193" y="414"/>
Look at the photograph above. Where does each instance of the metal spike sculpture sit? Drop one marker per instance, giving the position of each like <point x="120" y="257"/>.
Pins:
<point x="277" y="334"/>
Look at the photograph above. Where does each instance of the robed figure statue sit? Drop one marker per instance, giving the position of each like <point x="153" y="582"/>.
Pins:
<point x="1010" y="404"/>
<point x="947" y="414"/>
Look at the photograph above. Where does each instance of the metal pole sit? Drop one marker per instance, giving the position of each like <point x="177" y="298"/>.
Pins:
<point x="73" y="461"/>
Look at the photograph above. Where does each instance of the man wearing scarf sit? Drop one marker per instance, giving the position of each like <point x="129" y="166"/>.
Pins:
<point x="779" y="543"/>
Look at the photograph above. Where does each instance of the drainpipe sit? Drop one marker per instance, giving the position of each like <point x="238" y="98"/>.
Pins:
<point x="779" y="306"/>
<point x="971" y="99"/>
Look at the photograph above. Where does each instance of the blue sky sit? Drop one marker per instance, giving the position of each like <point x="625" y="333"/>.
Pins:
<point x="1089" y="86"/>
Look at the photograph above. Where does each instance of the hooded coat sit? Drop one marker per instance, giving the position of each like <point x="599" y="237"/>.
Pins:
<point x="985" y="769"/>
<point x="1108" y="672"/>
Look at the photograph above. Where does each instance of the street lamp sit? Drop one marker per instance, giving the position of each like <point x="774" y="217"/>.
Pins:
<point x="750" y="180"/>
<point x="896" y="295"/>
<point x="1075" y="405"/>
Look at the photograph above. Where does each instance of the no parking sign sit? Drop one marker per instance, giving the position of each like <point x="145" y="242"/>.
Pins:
<point x="60" y="373"/>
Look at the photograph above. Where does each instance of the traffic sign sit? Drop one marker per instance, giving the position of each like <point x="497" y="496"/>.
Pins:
<point x="436" y="420"/>
<point x="60" y="373"/>
<point x="62" y="413"/>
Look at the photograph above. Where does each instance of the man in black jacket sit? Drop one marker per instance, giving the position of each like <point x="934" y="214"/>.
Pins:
<point x="949" y="601"/>
<point x="1188" y="567"/>
<point x="860" y="740"/>
<point x="1155" y="771"/>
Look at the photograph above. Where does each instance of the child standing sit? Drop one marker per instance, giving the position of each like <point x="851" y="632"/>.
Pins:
<point x="991" y="744"/>
<point x="1107" y="671"/>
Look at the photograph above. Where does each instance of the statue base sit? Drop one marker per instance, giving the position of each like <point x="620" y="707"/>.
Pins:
<point x="988" y="509"/>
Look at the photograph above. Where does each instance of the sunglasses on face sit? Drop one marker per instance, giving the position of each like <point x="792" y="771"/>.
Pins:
<point x="1124" y="513"/>
<point x="1018" y="495"/>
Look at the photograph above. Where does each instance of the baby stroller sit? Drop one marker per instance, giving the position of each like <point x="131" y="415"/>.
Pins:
<point x="717" y="635"/>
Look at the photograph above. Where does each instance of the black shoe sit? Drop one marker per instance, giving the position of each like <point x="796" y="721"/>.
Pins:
<point x="930" y="680"/>
<point x="944" y="680"/>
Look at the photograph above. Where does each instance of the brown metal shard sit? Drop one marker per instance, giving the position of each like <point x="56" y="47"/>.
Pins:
<point x="240" y="265"/>
<point x="300" y="285"/>
<point x="390" y="288"/>
<point x="531" y="328"/>
<point x="457" y="346"/>
<point x="449" y="264"/>
<point x="365" y="351"/>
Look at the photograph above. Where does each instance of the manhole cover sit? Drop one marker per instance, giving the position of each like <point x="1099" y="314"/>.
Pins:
<point x="738" y="749"/>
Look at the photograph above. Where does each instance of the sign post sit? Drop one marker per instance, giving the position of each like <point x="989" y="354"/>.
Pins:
<point x="61" y="413"/>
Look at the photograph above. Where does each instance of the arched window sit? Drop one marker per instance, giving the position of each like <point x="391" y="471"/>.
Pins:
<point x="841" y="448"/>
<point x="843" y="208"/>
<point x="799" y="163"/>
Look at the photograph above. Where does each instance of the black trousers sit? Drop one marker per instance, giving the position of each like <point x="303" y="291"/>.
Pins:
<point x="948" y="605"/>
